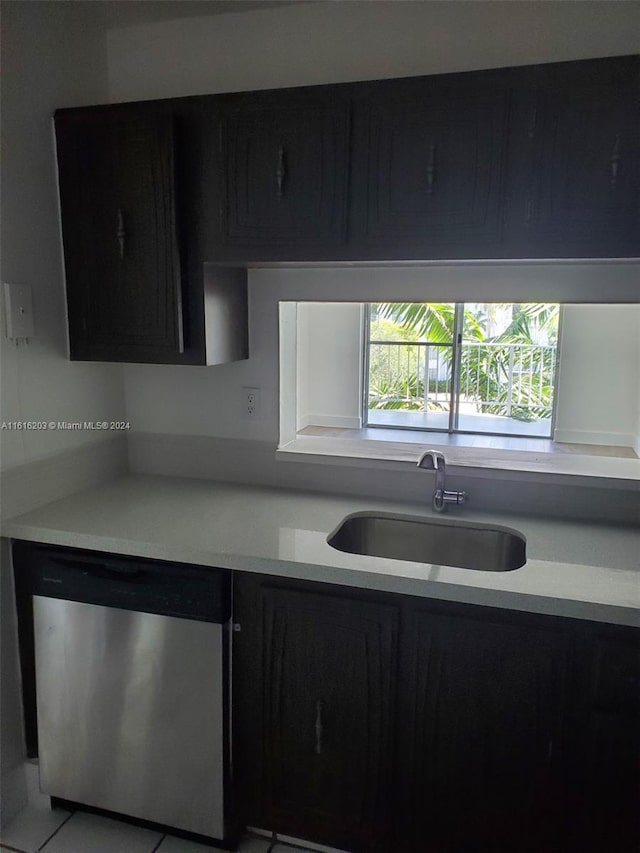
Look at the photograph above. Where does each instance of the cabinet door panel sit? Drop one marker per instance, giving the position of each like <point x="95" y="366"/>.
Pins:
<point x="589" y="169"/>
<point x="118" y="218"/>
<point x="606" y="744"/>
<point x="286" y="175"/>
<point x="579" y="146"/>
<point x="323" y="682"/>
<point x="482" y="701"/>
<point x="434" y="171"/>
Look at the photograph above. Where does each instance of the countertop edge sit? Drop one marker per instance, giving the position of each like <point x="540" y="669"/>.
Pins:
<point x="337" y="575"/>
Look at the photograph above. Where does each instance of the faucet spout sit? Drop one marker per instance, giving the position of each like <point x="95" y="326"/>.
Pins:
<point x="433" y="460"/>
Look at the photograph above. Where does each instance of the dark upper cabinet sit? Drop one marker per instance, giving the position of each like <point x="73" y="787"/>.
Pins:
<point x="284" y="185"/>
<point x="429" y="163"/>
<point x="129" y="178"/>
<point x="314" y="702"/>
<point x="482" y="701"/>
<point x="515" y="163"/>
<point x="123" y="273"/>
<point x="575" y="189"/>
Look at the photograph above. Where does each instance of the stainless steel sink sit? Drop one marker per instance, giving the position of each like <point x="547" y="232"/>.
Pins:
<point x="467" y="545"/>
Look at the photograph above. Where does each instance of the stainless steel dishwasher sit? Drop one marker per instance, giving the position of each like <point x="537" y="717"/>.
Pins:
<point x="132" y="686"/>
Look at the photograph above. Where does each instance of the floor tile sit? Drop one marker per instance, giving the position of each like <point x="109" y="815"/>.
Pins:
<point x="29" y="830"/>
<point x="91" y="833"/>
<point x="288" y="848"/>
<point x="254" y="845"/>
<point x="285" y="845"/>
<point x="171" y="844"/>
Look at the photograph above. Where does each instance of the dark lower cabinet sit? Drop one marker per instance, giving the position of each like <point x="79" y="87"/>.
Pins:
<point x="381" y="723"/>
<point x="480" y="744"/>
<point x="314" y="697"/>
<point x="605" y="782"/>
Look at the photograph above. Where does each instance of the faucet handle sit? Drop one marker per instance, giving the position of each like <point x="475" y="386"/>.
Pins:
<point x="432" y="460"/>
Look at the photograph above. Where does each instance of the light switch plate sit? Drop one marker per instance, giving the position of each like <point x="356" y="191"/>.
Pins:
<point x="19" y="311"/>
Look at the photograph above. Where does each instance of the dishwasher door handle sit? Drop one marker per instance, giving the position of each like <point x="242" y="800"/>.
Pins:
<point x="101" y="569"/>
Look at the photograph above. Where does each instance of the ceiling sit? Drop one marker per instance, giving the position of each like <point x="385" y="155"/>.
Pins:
<point x="127" y="13"/>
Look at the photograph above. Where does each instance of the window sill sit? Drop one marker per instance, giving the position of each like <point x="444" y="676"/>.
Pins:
<point x="543" y="465"/>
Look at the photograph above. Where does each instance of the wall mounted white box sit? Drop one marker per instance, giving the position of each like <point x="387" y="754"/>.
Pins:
<point x="19" y="311"/>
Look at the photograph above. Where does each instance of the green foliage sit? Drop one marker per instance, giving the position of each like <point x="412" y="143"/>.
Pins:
<point x="406" y="393"/>
<point x="382" y="329"/>
<point x="430" y="321"/>
<point x="530" y="321"/>
<point x="485" y="371"/>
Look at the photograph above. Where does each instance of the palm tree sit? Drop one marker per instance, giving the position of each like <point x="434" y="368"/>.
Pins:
<point x="498" y="378"/>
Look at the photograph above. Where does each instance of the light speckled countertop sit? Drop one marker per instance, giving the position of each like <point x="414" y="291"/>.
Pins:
<point x="586" y="571"/>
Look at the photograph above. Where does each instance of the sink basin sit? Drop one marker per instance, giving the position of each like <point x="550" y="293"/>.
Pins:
<point x="467" y="545"/>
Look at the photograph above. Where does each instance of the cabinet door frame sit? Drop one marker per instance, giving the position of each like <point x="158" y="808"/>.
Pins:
<point x="439" y="110"/>
<point x="112" y="131"/>
<point x="258" y="654"/>
<point x="603" y="740"/>
<point x="428" y="676"/>
<point x="542" y="220"/>
<point x="287" y="122"/>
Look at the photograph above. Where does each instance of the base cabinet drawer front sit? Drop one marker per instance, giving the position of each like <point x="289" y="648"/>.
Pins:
<point x="324" y="685"/>
<point x="286" y="161"/>
<point x="432" y="159"/>
<point x="118" y="203"/>
<point x="481" y="744"/>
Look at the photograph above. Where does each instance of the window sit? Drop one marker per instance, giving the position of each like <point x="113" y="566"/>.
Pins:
<point x="591" y="397"/>
<point x="484" y="368"/>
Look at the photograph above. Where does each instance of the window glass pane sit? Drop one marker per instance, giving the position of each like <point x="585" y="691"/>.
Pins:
<point x="507" y="368"/>
<point x="410" y="358"/>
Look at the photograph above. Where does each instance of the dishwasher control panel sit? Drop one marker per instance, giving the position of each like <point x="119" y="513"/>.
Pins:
<point x="129" y="583"/>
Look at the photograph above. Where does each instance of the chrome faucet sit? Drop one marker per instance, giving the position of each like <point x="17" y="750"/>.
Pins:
<point x="434" y="460"/>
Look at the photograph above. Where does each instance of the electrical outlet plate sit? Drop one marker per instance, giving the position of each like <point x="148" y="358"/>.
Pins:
<point x="251" y="397"/>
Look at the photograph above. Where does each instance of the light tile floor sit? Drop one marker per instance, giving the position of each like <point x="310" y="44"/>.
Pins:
<point x="39" y="829"/>
<point x="82" y="832"/>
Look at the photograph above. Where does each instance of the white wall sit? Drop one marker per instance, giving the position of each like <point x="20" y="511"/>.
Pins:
<point x="304" y="370"/>
<point x="599" y="375"/>
<point x="13" y="787"/>
<point x="340" y="41"/>
<point x="637" y="336"/>
<point x="54" y="55"/>
<point x="329" y="364"/>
